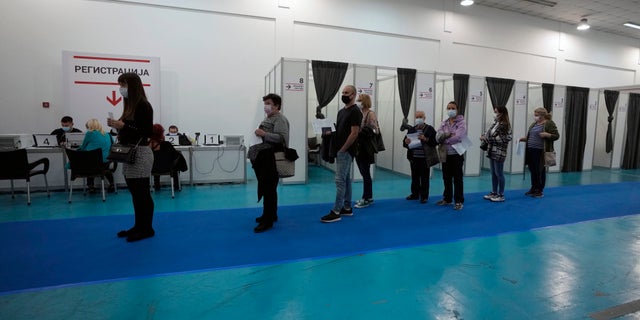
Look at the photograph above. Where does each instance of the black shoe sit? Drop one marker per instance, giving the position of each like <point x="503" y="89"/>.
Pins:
<point x="125" y="233"/>
<point x="259" y="219"/>
<point x="412" y="197"/>
<point x="262" y="227"/>
<point x="111" y="189"/>
<point x="346" y="212"/>
<point x="443" y="203"/>
<point x="530" y="192"/>
<point x="423" y="200"/>
<point x="331" y="217"/>
<point x="137" y="236"/>
<point x="91" y="189"/>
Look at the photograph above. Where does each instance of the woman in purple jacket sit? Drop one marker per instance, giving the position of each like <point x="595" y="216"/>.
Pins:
<point x="452" y="131"/>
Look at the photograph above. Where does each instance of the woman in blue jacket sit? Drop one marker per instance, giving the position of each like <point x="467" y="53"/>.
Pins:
<point x="97" y="138"/>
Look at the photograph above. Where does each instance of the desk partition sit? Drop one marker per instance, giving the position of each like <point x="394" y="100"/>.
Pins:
<point x="218" y="164"/>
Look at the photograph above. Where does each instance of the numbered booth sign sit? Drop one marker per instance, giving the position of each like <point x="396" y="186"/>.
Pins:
<point x="45" y="140"/>
<point x="174" y="139"/>
<point x="211" y="139"/>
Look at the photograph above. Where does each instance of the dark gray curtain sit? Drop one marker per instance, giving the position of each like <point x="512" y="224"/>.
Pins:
<point x="547" y="96"/>
<point x="499" y="90"/>
<point x="610" y="99"/>
<point x="327" y="78"/>
<point x="631" y="158"/>
<point x="461" y="91"/>
<point x="406" y="82"/>
<point x="575" y="134"/>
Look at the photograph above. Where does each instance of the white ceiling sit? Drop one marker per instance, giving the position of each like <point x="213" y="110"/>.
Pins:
<point x="602" y="15"/>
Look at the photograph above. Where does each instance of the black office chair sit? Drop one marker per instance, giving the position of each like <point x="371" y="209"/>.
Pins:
<point x="313" y="150"/>
<point x="166" y="162"/>
<point x="85" y="164"/>
<point x="16" y="166"/>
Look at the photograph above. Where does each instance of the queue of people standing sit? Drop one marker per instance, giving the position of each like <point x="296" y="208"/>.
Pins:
<point x="355" y="129"/>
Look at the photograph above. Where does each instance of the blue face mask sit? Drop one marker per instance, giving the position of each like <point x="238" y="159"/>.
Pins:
<point x="452" y="113"/>
<point x="66" y="129"/>
<point x="124" y="92"/>
<point x="419" y="121"/>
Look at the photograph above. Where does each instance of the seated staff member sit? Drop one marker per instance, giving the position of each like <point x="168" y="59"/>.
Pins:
<point x="183" y="139"/>
<point x="66" y="125"/>
<point x="175" y="160"/>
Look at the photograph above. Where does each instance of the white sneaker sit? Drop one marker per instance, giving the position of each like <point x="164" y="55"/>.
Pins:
<point x="489" y="195"/>
<point x="498" y="198"/>
<point x="362" y="203"/>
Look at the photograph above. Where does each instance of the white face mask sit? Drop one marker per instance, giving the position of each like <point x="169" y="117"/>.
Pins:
<point x="124" y="92"/>
<point x="419" y="121"/>
<point x="537" y="118"/>
<point x="268" y="108"/>
<point x="452" y="113"/>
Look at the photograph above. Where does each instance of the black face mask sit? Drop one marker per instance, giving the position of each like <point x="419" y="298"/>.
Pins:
<point x="346" y="99"/>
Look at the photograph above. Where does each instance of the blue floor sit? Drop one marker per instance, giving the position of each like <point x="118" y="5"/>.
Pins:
<point x="564" y="256"/>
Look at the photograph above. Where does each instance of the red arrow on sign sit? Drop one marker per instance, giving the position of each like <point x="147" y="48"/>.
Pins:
<point x="113" y="99"/>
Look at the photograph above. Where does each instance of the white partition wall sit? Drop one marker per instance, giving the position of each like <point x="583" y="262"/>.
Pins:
<point x="474" y="116"/>
<point x="387" y="93"/>
<point x="519" y="126"/>
<point x="425" y="96"/>
<point x="592" y="117"/>
<point x="620" y="129"/>
<point x="399" y="152"/>
<point x="294" y="88"/>
<point x="559" y="101"/>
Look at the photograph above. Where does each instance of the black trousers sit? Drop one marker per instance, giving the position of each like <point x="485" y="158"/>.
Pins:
<point x="265" y="168"/>
<point x="537" y="170"/>
<point x="143" y="206"/>
<point x="364" y="166"/>
<point x="419" y="178"/>
<point x="452" y="172"/>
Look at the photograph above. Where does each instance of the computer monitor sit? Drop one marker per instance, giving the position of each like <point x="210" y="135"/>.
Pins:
<point x="234" y="140"/>
<point x="74" y="139"/>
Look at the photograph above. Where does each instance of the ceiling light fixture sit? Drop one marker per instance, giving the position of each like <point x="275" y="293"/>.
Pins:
<point x="544" y="2"/>
<point x="583" y="25"/>
<point x="466" y="3"/>
<point x="632" y="25"/>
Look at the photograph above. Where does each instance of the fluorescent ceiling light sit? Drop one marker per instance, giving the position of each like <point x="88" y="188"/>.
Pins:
<point x="632" y="25"/>
<point x="466" y="3"/>
<point x="583" y="25"/>
<point x="544" y="2"/>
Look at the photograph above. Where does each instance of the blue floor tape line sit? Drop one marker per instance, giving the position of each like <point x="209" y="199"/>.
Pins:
<point x="49" y="253"/>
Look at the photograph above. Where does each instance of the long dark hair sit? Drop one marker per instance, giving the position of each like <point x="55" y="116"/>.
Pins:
<point x="504" y="116"/>
<point x="135" y="94"/>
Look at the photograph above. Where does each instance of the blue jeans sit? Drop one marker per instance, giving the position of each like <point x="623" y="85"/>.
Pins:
<point x="343" y="181"/>
<point x="497" y="176"/>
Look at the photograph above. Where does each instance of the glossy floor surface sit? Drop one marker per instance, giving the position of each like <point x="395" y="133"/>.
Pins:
<point x="566" y="271"/>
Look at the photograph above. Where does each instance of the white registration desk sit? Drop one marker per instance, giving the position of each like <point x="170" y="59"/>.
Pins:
<point x="206" y="164"/>
<point x="217" y="164"/>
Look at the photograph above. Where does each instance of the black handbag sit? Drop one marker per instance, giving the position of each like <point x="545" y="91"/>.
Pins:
<point x="379" y="142"/>
<point x="123" y="153"/>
